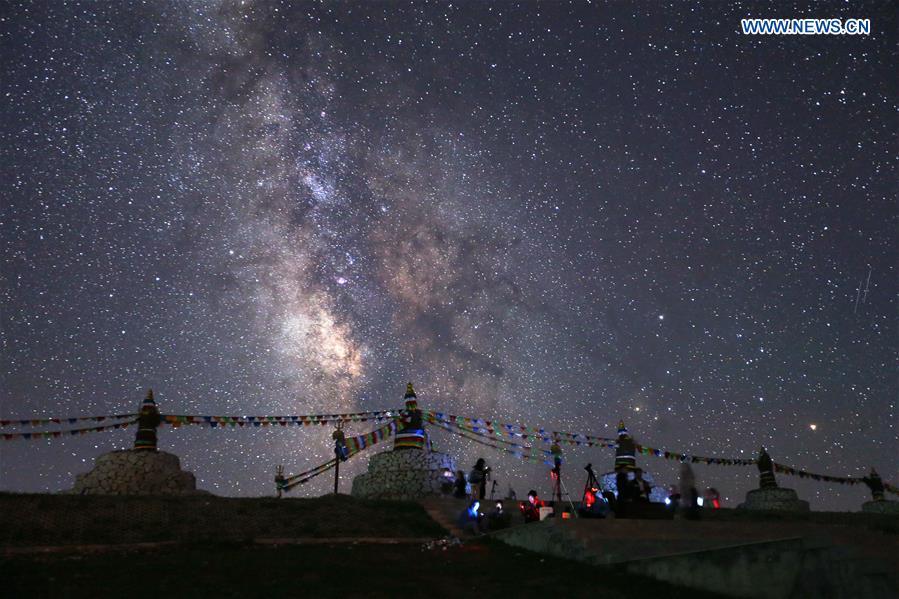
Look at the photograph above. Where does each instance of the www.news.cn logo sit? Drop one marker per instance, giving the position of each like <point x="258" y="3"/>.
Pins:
<point x="806" y="26"/>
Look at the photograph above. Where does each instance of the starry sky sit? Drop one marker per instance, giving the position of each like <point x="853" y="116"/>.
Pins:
<point x="558" y="214"/>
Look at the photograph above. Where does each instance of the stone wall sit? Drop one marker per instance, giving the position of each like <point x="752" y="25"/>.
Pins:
<point x="884" y="506"/>
<point x="130" y="472"/>
<point x="777" y="499"/>
<point x="406" y="474"/>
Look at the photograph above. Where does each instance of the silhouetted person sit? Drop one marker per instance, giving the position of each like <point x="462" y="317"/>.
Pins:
<point x="624" y="487"/>
<point x="625" y="493"/>
<point x="498" y="518"/>
<point x="478" y="479"/>
<point x="641" y="487"/>
<point x="460" y="485"/>
<point x="673" y="498"/>
<point x="611" y="500"/>
<point x="689" y="495"/>
<point x="875" y="483"/>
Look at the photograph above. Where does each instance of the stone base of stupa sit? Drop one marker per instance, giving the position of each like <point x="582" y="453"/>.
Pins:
<point x="406" y="474"/>
<point x="776" y="499"/>
<point x="885" y="506"/>
<point x="131" y="472"/>
<point x="609" y="482"/>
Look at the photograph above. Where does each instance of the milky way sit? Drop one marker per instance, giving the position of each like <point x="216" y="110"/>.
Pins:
<point x="555" y="214"/>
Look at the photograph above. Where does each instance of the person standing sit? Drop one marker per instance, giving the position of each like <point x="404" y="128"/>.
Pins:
<point x="642" y="488"/>
<point x="623" y="487"/>
<point x="556" y="451"/>
<point x="875" y="483"/>
<point x="689" y="494"/>
<point x="673" y="500"/>
<point x="478" y="479"/>
<point x="460" y="485"/>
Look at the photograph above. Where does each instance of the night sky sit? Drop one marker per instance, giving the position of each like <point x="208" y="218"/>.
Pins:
<point x="557" y="214"/>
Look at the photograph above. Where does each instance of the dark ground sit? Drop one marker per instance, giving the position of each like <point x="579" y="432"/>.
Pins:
<point x="27" y="520"/>
<point x="481" y="569"/>
<point x="214" y="554"/>
<point x="212" y="550"/>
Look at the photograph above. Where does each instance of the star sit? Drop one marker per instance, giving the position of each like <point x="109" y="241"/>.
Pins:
<point x="549" y="216"/>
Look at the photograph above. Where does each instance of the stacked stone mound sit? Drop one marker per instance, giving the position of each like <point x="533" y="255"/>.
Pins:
<point x="881" y="507"/>
<point x="130" y="472"/>
<point x="406" y="474"/>
<point x="776" y="499"/>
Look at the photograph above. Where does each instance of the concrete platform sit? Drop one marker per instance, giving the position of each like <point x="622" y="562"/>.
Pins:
<point x="739" y="559"/>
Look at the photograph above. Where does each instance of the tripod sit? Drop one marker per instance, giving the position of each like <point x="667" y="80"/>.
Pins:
<point x="556" y="474"/>
<point x="558" y="486"/>
<point x="591" y="483"/>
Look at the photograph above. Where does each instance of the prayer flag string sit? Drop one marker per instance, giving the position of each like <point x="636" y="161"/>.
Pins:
<point x="64" y="433"/>
<point x="69" y="420"/>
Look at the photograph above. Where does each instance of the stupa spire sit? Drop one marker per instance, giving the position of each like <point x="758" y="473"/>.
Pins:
<point x="147" y="421"/>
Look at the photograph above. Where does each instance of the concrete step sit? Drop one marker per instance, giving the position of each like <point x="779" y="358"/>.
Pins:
<point x="845" y="572"/>
<point x="733" y="559"/>
<point x="445" y="512"/>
